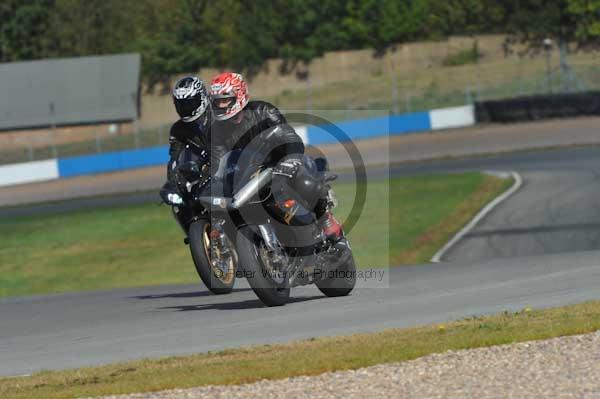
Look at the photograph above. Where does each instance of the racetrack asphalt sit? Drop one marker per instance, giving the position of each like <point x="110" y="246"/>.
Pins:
<point x="537" y="249"/>
<point x="71" y="330"/>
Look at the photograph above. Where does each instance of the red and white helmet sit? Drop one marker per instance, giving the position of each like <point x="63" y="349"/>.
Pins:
<point x="229" y="95"/>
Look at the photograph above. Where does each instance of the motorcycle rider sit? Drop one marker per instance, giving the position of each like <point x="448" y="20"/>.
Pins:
<point x="192" y="104"/>
<point x="232" y="122"/>
<point x="238" y="121"/>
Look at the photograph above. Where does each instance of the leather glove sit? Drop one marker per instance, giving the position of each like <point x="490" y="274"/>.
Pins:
<point x="167" y="188"/>
<point x="287" y="168"/>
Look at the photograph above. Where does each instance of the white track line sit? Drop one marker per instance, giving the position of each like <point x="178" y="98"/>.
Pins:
<point x="483" y="213"/>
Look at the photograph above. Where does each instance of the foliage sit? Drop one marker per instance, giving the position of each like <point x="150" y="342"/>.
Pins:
<point x="23" y="29"/>
<point x="177" y="36"/>
<point x="564" y="21"/>
<point x="450" y="17"/>
<point x="587" y="17"/>
<point x="463" y="57"/>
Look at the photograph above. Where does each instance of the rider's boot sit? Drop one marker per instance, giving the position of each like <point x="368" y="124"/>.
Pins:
<point x="332" y="229"/>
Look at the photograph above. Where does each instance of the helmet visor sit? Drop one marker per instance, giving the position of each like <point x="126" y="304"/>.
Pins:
<point x="187" y="107"/>
<point x="221" y="104"/>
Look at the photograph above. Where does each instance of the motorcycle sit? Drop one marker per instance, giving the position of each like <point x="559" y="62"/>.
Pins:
<point x="245" y="221"/>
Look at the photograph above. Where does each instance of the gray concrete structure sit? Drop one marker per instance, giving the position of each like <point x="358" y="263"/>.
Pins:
<point x="69" y="91"/>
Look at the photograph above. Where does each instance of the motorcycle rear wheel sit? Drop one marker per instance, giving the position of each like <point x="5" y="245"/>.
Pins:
<point x="215" y="280"/>
<point x="343" y="277"/>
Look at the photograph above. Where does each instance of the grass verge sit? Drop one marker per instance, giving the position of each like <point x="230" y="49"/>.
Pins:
<point x="309" y="357"/>
<point x="425" y="244"/>
<point x="404" y="220"/>
<point x="408" y="220"/>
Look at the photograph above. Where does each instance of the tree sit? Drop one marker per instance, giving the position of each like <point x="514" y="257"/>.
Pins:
<point x="24" y="30"/>
<point x="566" y="21"/>
<point x="539" y="23"/>
<point x="380" y="23"/>
<point x="92" y="27"/>
<point x="178" y="36"/>
<point x="451" y="17"/>
<point x="587" y="15"/>
<point x="311" y="28"/>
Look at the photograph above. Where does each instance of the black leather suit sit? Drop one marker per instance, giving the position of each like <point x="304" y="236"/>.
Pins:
<point x="260" y="126"/>
<point x="257" y="117"/>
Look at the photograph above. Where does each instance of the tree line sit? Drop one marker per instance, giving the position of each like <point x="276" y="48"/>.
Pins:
<point x="176" y="36"/>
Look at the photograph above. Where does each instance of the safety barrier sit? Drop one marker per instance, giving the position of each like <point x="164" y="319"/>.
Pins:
<point x="392" y="125"/>
<point x="28" y="172"/>
<point x="539" y="107"/>
<point x="112" y="161"/>
<point x="314" y="135"/>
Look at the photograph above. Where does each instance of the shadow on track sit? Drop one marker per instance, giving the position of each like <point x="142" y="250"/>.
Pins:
<point x="248" y="304"/>
<point x="536" y="229"/>
<point x="193" y="294"/>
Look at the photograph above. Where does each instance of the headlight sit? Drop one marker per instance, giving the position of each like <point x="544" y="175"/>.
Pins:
<point x="175" y="198"/>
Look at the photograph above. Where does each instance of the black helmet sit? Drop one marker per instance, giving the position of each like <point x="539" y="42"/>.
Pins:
<point x="191" y="101"/>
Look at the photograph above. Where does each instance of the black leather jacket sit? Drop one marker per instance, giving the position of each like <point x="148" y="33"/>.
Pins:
<point x="258" y="117"/>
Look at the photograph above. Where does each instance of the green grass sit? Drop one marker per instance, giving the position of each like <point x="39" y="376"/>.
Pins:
<point x="403" y="221"/>
<point x="408" y="220"/>
<point x="463" y="57"/>
<point x="94" y="249"/>
<point x="309" y="357"/>
<point x="461" y="81"/>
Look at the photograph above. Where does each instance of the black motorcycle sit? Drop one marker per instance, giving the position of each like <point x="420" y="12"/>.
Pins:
<point x="244" y="221"/>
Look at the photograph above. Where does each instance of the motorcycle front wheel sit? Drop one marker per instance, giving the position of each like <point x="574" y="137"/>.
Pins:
<point x="270" y="287"/>
<point x="216" y="280"/>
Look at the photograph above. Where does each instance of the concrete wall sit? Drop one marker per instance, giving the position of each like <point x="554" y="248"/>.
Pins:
<point x="69" y="91"/>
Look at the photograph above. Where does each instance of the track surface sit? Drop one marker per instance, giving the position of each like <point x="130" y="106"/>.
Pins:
<point x="555" y="211"/>
<point x="82" y="329"/>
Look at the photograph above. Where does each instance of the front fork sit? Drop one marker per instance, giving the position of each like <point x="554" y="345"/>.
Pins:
<point x="274" y="247"/>
<point x="220" y="250"/>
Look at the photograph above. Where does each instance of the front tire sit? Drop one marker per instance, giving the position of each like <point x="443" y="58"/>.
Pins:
<point x="200" y="248"/>
<point x="269" y="291"/>
<point x="343" y="277"/>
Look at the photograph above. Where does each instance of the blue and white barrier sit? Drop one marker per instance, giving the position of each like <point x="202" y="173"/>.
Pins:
<point x="113" y="161"/>
<point x="448" y="118"/>
<point x="369" y="128"/>
<point x="392" y="125"/>
<point x="315" y="135"/>
<point x="29" y="172"/>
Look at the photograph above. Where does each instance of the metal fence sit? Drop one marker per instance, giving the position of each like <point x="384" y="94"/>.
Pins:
<point x="102" y="139"/>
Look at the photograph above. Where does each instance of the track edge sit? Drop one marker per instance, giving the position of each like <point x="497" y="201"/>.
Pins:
<point x="518" y="183"/>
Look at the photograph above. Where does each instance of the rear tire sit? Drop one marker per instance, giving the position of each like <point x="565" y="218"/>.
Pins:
<point x="266" y="289"/>
<point x="340" y="286"/>
<point x="217" y="285"/>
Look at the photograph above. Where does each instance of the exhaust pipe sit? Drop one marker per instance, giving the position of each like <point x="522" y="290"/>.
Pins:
<point x="252" y="188"/>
